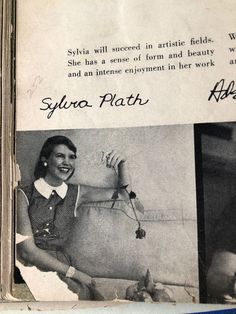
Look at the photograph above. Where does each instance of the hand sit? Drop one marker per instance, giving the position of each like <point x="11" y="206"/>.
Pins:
<point x="113" y="159"/>
<point x="228" y="299"/>
<point x="83" y="278"/>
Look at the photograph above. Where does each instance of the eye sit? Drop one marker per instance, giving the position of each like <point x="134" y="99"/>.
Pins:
<point x="73" y="156"/>
<point x="60" y="155"/>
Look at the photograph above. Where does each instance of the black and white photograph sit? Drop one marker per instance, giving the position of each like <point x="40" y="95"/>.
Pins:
<point x="106" y="214"/>
<point x="217" y="181"/>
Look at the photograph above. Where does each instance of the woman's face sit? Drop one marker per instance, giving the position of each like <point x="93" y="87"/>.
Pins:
<point x="60" y="165"/>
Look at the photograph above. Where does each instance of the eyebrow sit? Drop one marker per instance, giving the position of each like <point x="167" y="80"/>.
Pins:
<point x="63" y="154"/>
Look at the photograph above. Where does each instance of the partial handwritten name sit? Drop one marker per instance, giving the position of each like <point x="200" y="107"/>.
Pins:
<point x="221" y="91"/>
<point x="109" y="99"/>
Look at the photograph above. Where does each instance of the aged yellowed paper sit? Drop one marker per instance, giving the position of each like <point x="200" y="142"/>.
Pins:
<point x="103" y="89"/>
<point x="168" y="55"/>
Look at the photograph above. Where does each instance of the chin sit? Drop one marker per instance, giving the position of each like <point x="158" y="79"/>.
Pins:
<point x="65" y="176"/>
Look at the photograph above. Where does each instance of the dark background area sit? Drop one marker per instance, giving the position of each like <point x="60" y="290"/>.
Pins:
<point x="215" y="152"/>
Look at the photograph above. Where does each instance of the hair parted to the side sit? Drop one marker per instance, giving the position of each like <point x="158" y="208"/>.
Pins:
<point x="40" y="170"/>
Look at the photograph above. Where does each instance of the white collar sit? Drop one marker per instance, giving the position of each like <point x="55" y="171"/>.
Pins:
<point x="46" y="190"/>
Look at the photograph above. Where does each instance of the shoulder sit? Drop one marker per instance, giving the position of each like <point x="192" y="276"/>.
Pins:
<point x="73" y="188"/>
<point x="26" y="190"/>
<point x="74" y="192"/>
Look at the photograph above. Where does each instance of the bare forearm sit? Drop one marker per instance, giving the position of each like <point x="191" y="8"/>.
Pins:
<point x="96" y="194"/>
<point x="124" y="181"/>
<point x="43" y="260"/>
<point x="123" y="175"/>
<point x="40" y="258"/>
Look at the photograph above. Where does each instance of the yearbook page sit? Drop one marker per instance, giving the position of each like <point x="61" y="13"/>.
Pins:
<point x="125" y="151"/>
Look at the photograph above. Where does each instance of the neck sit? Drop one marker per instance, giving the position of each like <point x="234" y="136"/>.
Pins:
<point x="52" y="181"/>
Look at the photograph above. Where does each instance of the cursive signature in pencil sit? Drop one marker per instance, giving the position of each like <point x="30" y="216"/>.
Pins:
<point x="37" y="81"/>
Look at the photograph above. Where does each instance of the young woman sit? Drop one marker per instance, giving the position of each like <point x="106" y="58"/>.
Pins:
<point x="46" y="209"/>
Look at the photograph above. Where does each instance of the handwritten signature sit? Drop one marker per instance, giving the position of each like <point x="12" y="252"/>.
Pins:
<point x="107" y="99"/>
<point x="220" y="91"/>
<point x="62" y="104"/>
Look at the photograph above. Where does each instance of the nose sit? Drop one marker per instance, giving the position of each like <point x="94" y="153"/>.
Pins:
<point x="66" y="161"/>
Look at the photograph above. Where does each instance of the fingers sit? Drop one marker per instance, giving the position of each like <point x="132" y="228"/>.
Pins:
<point x="112" y="159"/>
<point x="105" y="156"/>
<point x="83" y="277"/>
<point x="93" y="282"/>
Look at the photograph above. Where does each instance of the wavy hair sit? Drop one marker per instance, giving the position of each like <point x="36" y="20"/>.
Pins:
<point x="47" y="148"/>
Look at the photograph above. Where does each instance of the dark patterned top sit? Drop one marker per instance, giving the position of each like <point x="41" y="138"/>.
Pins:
<point x="52" y="218"/>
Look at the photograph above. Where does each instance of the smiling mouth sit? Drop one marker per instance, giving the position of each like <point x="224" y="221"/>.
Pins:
<point x="64" y="170"/>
